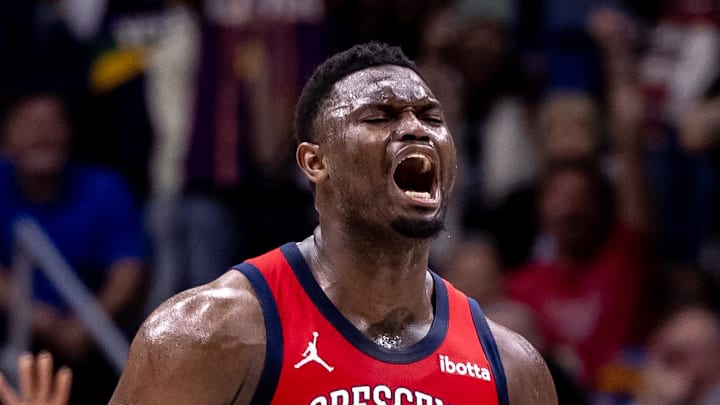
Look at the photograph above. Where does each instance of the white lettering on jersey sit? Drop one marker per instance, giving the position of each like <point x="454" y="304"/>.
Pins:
<point x="361" y="394"/>
<point x="377" y="395"/>
<point x="383" y="390"/>
<point x="448" y="366"/>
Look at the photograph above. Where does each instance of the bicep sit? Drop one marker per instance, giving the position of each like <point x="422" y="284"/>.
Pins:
<point x="183" y="375"/>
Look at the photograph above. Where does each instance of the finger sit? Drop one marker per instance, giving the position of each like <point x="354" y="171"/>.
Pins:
<point x="8" y="396"/>
<point x="44" y="365"/>
<point x="26" y="372"/>
<point x="63" y="382"/>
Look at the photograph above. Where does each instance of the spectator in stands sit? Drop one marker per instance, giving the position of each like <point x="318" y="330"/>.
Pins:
<point x="682" y="365"/>
<point x="585" y="287"/>
<point x="87" y="212"/>
<point x="242" y="194"/>
<point x="567" y="129"/>
<point x="586" y="281"/>
<point x="675" y="71"/>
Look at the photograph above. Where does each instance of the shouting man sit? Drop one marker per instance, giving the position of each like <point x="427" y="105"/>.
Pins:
<point x="350" y="315"/>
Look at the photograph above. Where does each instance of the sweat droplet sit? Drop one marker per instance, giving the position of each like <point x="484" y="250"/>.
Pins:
<point x="388" y="342"/>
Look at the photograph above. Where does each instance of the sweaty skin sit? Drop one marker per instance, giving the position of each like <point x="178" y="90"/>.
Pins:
<point x="207" y="345"/>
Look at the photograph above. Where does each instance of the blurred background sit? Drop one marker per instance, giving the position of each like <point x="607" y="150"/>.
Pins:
<point x="148" y="142"/>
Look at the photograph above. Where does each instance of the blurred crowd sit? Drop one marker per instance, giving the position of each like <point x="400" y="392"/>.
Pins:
<point x="151" y="139"/>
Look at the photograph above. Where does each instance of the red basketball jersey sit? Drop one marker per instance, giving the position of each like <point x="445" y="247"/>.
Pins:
<point x="315" y="356"/>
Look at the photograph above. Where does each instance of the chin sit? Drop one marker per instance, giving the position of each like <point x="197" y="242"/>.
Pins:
<point x="418" y="228"/>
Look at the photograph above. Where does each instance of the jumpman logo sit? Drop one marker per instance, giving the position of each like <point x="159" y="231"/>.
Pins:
<point x="311" y="354"/>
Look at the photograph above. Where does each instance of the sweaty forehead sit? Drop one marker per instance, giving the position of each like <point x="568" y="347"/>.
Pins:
<point x="386" y="84"/>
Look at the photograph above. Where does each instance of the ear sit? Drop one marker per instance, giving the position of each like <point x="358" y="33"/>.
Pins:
<point x="311" y="162"/>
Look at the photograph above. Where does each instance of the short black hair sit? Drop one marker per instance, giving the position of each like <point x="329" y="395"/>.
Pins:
<point x="336" y="67"/>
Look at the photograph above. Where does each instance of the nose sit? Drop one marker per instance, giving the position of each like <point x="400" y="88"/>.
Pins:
<point x="411" y="128"/>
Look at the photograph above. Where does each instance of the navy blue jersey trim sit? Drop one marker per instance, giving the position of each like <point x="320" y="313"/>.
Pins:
<point x="273" y="330"/>
<point x="491" y="351"/>
<point x="418" y="351"/>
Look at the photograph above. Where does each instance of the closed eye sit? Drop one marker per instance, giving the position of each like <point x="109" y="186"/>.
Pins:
<point x="435" y="119"/>
<point x="432" y="113"/>
<point x="376" y="120"/>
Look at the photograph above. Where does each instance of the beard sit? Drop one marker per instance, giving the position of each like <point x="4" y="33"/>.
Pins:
<point x="408" y="227"/>
<point x="421" y="228"/>
<point x="418" y="228"/>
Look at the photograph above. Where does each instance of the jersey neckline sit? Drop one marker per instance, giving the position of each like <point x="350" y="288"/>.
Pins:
<point x="418" y="351"/>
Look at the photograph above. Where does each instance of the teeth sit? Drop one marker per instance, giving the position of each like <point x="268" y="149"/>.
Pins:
<point x="420" y="195"/>
<point x="426" y="165"/>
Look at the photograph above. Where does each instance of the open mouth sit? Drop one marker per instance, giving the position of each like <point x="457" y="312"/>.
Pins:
<point x="415" y="176"/>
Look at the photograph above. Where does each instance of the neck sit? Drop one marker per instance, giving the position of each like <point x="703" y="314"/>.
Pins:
<point x="380" y="284"/>
<point x="379" y="266"/>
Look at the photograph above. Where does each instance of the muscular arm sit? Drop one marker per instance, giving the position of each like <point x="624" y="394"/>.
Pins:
<point x="528" y="378"/>
<point x="203" y="346"/>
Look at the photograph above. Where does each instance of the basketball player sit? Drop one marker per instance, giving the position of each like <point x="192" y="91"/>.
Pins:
<point x="350" y="315"/>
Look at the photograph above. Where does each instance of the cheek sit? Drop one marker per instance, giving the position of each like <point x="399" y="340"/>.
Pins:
<point x="17" y="137"/>
<point x="348" y="168"/>
<point x="451" y="165"/>
<point x="445" y="146"/>
<point x="362" y="150"/>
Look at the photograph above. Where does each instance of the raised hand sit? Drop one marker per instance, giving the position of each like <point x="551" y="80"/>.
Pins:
<point x="38" y="384"/>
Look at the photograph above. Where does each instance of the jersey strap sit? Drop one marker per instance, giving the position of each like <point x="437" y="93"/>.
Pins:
<point x="491" y="351"/>
<point x="273" y="329"/>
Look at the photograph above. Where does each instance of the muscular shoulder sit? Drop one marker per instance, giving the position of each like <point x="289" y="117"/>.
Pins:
<point x="528" y="379"/>
<point x="222" y="311"/>
<point x="205" y="345"/>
